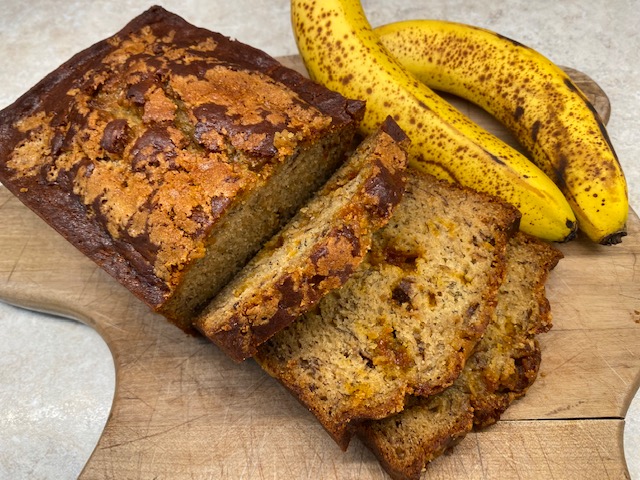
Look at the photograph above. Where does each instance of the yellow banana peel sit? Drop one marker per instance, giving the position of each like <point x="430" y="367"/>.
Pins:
<point x="340" y="50"/>
<point x="535" y="99"/>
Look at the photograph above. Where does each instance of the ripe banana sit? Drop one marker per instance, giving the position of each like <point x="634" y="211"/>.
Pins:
<point x="340" y="50"/>
<point x="535" y="100"/>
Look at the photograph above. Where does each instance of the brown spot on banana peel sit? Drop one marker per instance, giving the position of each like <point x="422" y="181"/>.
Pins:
<point x="559" y="173"/>
<point x="535" y="129"/>
<point x="346" y="79"/>
<point x="559" y="180"/>
<point x="603" y="129"/>
<point x="495" y="158"/>
<point x="517" y="114"/>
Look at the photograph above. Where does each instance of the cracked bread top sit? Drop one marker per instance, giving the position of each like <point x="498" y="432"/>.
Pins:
<point x="141" y="143"/>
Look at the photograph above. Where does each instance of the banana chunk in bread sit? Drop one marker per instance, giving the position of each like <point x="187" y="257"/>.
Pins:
<point x="503" y="366"/>
<point x="408" y="318"/>
<point x="315" y="253"/>
<point x="169" y="154"/>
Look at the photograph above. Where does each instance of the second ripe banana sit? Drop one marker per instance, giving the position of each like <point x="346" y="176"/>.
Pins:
<point x="340" y="50"/>
<point x="535" y="100"/>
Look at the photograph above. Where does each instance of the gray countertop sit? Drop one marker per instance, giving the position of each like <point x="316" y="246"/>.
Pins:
<point x="56" y="375"/>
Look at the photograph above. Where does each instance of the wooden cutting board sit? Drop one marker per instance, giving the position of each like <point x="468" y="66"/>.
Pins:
<point x="183" y="410"/>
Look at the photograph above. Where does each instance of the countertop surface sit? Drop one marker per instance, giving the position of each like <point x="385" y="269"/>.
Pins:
<point x="56" y="375"/>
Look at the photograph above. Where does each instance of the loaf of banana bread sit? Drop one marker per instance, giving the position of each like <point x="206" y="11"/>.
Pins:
<point x="408" y="318"/>
<point x="503" y="366"/>
<point x="316" y="252"/>
<point x="169" y="154"/>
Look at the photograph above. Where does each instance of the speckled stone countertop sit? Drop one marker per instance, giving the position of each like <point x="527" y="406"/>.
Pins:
<point x="56" y="375"/>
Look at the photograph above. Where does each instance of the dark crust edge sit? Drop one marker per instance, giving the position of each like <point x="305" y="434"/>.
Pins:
<point x="119" y="258"/>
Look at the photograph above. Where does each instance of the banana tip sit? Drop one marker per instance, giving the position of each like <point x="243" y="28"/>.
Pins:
<point x="573" y="231"/>
<point x="614" y="238"/>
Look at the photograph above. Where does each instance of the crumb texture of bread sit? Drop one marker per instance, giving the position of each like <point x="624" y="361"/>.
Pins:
<point x="408" y="318"/>
<point x="503" y="366"/>
<point x="315" y="253"/>
<point x="169" y="154"/>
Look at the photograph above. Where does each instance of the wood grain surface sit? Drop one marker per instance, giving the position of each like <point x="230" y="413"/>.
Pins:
<point x="183" y="410"/>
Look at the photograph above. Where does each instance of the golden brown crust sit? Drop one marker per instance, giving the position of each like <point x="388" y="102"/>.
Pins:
<point x="318" y="250"/>
<point x="135" y="148"/>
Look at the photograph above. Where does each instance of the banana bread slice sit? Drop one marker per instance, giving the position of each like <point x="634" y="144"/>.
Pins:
<point x="316" y="252"/>
<point x="408" y="318"/>
<point x="405" y="443"/>
<point x="504" y="364"/>
<point x="506" y="360"/>
<point x="169" y="154"/>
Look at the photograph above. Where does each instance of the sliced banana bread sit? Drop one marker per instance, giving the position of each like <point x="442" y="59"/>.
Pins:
<point x="408" y="318"/>
<point x="169" y="154"/>
<point x="506" y="360"/>
<point x="504" y="364"/>
<point x="316" y="252"/>
<point x="406" y="442"/>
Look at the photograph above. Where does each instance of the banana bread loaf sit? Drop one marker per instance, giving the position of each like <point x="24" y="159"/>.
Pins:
<point x="503" y="366"/>
<point x="169" y="154"/>
<point x="408" y="318"/>
<point x="315" y="253"/>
